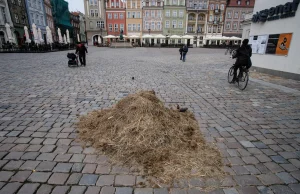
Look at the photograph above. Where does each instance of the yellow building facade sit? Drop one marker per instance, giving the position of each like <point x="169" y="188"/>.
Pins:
<point x="134" y="20"/>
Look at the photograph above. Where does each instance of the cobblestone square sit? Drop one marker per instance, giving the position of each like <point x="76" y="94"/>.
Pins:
<point x="257" y="130"/>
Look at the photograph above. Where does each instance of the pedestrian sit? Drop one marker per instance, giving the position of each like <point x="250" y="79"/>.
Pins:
<point x="180" y="51"/>
<point x="185" y="49"/>
<point x="81" y="50"/>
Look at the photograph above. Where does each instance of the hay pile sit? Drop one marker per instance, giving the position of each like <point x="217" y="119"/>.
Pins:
<point x="140" y="130"/>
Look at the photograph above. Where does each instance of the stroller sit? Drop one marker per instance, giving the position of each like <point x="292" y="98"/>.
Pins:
<point x="73" y="59"/>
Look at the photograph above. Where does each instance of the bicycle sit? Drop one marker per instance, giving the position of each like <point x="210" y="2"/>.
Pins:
<point x="243" y="77"/>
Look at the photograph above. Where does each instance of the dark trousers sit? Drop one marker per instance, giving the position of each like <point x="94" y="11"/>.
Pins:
<point x="82" y="60"/>
<point x="180" y="56"/>
<point x="184" y="56"/>
<point x="237" y="67"/>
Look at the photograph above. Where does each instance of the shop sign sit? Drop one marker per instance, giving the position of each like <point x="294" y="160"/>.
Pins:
<point x="279" y="12"/>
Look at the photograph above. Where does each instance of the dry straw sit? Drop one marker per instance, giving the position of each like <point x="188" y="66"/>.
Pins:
<point x="140" y="131"/>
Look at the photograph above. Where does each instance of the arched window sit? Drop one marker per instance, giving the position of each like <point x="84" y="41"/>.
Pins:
<point x="222" y="6"/>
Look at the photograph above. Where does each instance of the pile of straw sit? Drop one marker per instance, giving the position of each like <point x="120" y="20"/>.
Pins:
<point x="140" y="130"/>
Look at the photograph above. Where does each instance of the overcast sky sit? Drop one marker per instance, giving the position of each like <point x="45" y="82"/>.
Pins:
<point x="76" y="5"/>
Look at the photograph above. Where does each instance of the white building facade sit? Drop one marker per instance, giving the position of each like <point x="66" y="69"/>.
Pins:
<point x="4" y="18"/>
<point x="275" y="36"/>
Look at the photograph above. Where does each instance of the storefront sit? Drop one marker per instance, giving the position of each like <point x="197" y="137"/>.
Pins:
<point x="275" y="36"/>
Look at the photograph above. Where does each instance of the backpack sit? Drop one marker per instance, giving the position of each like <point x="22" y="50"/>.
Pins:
<point x="185" y="49"/>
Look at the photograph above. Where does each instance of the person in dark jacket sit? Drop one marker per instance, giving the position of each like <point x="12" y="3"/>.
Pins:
<point x="180" y="51"/>
<point x="81" y="49"/>
<point x="243" y="54"/>
<point x="185" y="49"/>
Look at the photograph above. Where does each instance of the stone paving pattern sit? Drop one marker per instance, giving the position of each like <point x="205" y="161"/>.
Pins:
<point x="256" y="130"/>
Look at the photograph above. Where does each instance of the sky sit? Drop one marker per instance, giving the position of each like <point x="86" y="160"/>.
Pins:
<point x="76" y="5"/>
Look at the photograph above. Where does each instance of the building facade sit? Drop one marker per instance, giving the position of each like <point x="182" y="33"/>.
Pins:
<point x="174" y="22"/>
<point x="49" y="18"/>
<point x="19" y="18"/>
<point x="153" y="17"/>
<point x="134" y="19"/>
<point x="216" y="13"/>
<point x="61" y="16"/>
<point x="36" y="15"/>
<point x="235" y="14"/>
<point x="95" y="20"/>
<point x="275" y="37"/>
<point x="5" y="18"/>
<point x="75" y="22"/>
<point x="82" y="27"/>
<point x="196" y="20"/>
<point x="116" y="17"/>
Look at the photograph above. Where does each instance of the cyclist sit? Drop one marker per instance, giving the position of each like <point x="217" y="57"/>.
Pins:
<point x="243" y="54"/>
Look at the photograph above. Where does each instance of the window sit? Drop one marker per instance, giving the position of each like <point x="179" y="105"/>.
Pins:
<point x="174" y="13"/>
<point x="138" y="14"/>
<point x="110" y="27"/>
<point x="100" y="24"/>
<point x="115" y="16"/>
<point x="121" y="15"/>
<point x="152" y="13"/>
<point x="247" y="2"/>
<point x="241" y="26"/>
<point x="158" y="26"/>
<point x="168" y="13"/>
<point x="181" y="13"/>
<point x="112" y="3"/>
<point x="129" y="27"/>
<point x="209" y="29"/>
<point x="133" y="5"/>
<point x="122" y="27"/>
<point x="217" y="6"/>
<point x="110" y="15"/>
<point x="153" y="2"/>
<point x="180" y="24"/>
<point x="95" y="2"/>
<point x="239" y="2"/>
<point x="167" y="24"/>
<point x="221" y="18"/>
<point x="147" y="14"/>
<point x="128" y="14"/>
<point x="116" y="28"/>
<point x="210" y="18"/>
<point x="133" y="14"/>
<point x="3" y="14"/>
<point x="174" y="2"/>
<point x="200" y="17"/>
<point x="219" y="29"/>
<point x="181" y="2"/>
<point x="91" y="2"/>
<point x="235" y="25"/>
<point x="42" y="20"/>
<point x="92" y="13"/>
<point x="228" y="25"/>
<point x="117" y="4"/>
<point x="190" y="28"/>
<point x="152" y="25"/>
<point x="212" y="7"/>
<point x="214" y="29"/>
<point x="37" y="19"/>
<point x="159" y="13"/>
<point x="190" y="4"/>
<point x="236" y="14"/>
<point x="158" y="4"/>
<point x="96" y="12"/>
<point x="229" y="14"/>
<point x="133" y="27"/>
<point x="138" y="27"/>
<point x="174" y="24"/>
<point x="147" y="26"/>
<point x="222" y="6"/>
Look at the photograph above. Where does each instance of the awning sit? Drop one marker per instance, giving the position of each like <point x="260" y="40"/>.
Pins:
<point x="134" y="36"/>
<point x="187" y="37"/>
<point x="175" y="37"/>
<point x="160" y="36"/>
<point x="109" y="36"/>
<point x="235" y="38"/>
<point x="147" y="36"/>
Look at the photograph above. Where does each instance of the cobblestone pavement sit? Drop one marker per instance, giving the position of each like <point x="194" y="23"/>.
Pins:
<point x="257" y="130"/>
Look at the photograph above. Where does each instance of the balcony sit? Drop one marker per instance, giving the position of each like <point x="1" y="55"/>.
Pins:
<point x="217" y="11"/>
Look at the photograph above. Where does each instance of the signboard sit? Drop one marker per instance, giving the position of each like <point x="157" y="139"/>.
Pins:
<point x="272" y="44"/>
<point x="279" y="12"/>
<point x="258" y="43"/>
<point x="283" y="44"/>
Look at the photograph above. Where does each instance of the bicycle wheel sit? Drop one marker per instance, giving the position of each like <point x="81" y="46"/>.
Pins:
<point x="230" y="74"/>
<point x="243" y="81"/>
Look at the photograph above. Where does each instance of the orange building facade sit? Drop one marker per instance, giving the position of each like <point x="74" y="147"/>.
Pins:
<point x="116" y="17"/>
